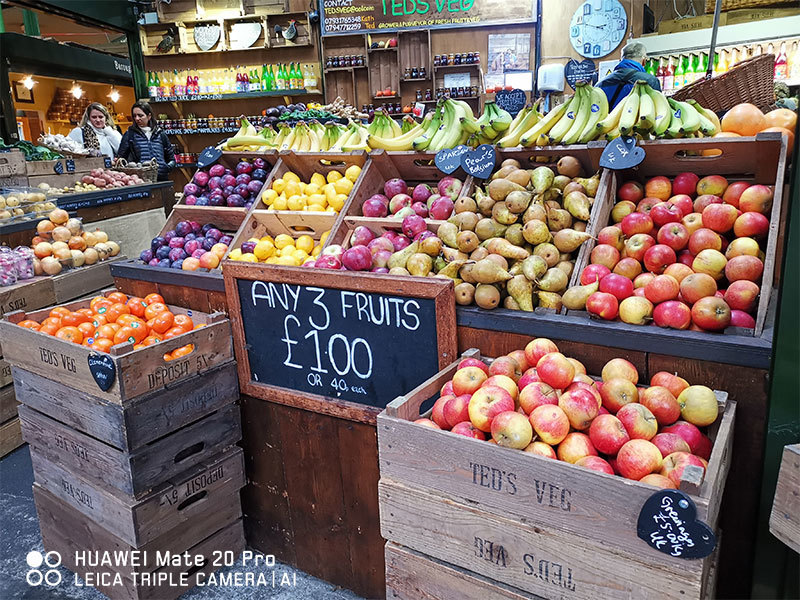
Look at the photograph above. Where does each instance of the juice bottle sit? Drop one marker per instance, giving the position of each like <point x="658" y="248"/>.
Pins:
<point x="694" y="70"/>
<point x="669" y="76"/>
<point x="782" y="64"/>
<point x="152" y="88"/>
<point x="703" y="66"/>
<point x="678" y="79"/>
<point x="794" y="62"/>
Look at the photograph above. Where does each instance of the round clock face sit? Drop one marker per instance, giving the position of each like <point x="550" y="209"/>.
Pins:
<point x="597" y="27"/>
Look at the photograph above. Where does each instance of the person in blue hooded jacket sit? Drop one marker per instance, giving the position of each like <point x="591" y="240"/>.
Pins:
<point x="627" y="72"/>
<point x="145" y="141"/>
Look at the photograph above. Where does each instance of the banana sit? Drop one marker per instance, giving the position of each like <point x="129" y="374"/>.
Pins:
<point x="423" y="140"/>
<point x="690" y="118"/>
<point x="582" y="118"/>
<point x="470" y="125"/>
<point x="402" y="142"/>
<point x="545" y="124"/>
<point x="501" y="119"/>
<point x="358" y="141"/>
<point x="676" y="122"/>
<point x="305" y="141"/>
<point x="564" y="124"/>
<point x="630" y="111"/>
<point x="249" y="129"/>
<point x="466" y="108"/>
<point x="314" y="145"/>
<point x="407" y="124"/>
<point x="612" y="134"/>
<point x="663" y="114"/>
<point x="394" y="126"/>
<point x="515" y="132"/>
<point x="520" y="115"/>
<point x="647" y="110"/>
<point x="598" y="110"/>
<point x="453" y="132"/>
<point x="611" y="121"/>
<point x="289" y="139"/>
<point x="708" y="126"/>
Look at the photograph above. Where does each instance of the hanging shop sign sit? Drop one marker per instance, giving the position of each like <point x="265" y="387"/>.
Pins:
<point x="345" y="17"/>
<point x="668" y="522"/>
<point x="575" y="71"/>
<point x="622" y="153"/>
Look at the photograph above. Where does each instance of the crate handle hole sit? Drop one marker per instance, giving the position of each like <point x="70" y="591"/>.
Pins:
<point x="539" y="161"/>
<point x="193" y="499"/>
<point x="681" y="155"/>
<point x="189" y="452"/>
<point x="424" y="164"/>
<point x="332" y="163"/>
<point x="167" y="357"/>
<point x="302" y="230"/>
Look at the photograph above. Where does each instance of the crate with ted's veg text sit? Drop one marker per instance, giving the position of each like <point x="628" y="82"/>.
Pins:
<point x="531" y="523"/>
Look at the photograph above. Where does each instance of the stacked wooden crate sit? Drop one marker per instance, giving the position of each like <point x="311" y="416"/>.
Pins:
<point x="133" y="451"/>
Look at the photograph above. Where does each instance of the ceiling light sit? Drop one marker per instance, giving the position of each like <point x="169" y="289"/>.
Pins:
<point x="28" y="82"/>
<point x="76" y="90"/>
<point x="114" y="95"/>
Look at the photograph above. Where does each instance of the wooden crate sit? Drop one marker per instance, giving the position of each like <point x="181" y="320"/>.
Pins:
<point x="138" y="372"/>
<point x="135" y="424"/>
<point x="264" y="7"/>
<point x="48" y="167"/>
<point x="151" y="34"/>
<point x="10" y="436"/>
<point x="12" y="164"/>
<point x="784" y="521"/>
<point x="136" y="472"/>
<point x="412" y="167"/>
<point x="5" y="378"/>
<point x="30" y="294"/>
<point x="82" y="281"/>
<point x="759" y="160"/>
<point x="227" y="32"/>
<point x="304" y="30"/>
<point x="561" y="528"/>
<point x="8" y="403"/>
<point x="193" y="495"/>
<point x="293" y="223"/>
<point x="70" y="533"/>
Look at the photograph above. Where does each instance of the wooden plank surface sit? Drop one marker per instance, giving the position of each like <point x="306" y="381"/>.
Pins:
<point x="31" y="294"/>
<point x="8" y="403"/>
<point x="10" y="436"/>
<point x="784" y="522"/>
<point x="76" y="283"/>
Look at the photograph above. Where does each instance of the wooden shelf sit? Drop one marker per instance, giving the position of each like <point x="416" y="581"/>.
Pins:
<point x="332" y="69"/>
<point x="417" y="79"/>
<point x="464" y="66"/>
<point x="382" y="49"/>
<point x="207" y="131"/>
<point x="240" y="96"/>
<point x="386" y="97"/>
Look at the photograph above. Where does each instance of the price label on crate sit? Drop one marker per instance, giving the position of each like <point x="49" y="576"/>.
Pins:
<point x="668" y="522"/>
<point x="449" y="159"/>
<point x="208" y="157"/>
<point x="58" y="167"/>
<point x="107" y="162"/>
<point x="621" y="153"/>
<point x="354" y="344"/>
<point x="70" y="165"/>
<point x="103" y="370"/>
<point x="479" y="162"/>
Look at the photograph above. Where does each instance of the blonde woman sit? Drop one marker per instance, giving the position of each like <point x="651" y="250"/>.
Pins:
<point x="96" y="131"/>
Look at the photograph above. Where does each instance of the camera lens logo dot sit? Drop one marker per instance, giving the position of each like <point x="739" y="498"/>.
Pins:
<point x="34" y="559"/>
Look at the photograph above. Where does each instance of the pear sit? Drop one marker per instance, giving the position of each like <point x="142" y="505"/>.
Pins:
<point x="465" y="273"/>
<point x="452" y="268"/>
<point x="500" y="188"/>
<point x="579" y="225"/>
<point x="488" y="271"/>
<point x="561" y="181"/>
<point x="569" y="240"/>
<point x="590" y="185"/>
<point x="517" y="202"/>
<point x="467" y="241"/>
<point x="419" y="264"/>
<point x="575" y="297"/>
<point x="535" y="212"/>
<point x="549" y="300"/>
<point x="484" y="202"/>
<point x="432" y="246"/>
<point x="558" y="219"/>
<point x="479" y="253"/>
<point x="569" y="166"/>
<point x="542" y="178"/>
<point x="554" y="280"/>
<point x="399" y="259"/>
<point x="447" y="232"/>
<point x="536" y="232"/>
<point x="552" y="194"/>
<point x="465" y="204"/>
<point x="439" y="263"/>
<point x="519" y="176"/>
<point x="510" y="161"/>
<point x="534" y="267"/>
<point x="465" y="293"/>
<point x="499" y="260"/>
<point x="514" y="234"/>
<point x="451" y="254"/>
<point x="578" y="205"/>
<point x="521" y="290"/>
<point x="502" y="215"/>
<point x="398" y="271"/>
<point x="489" y="228"/>
<point x="506" y="249"/>
<point x="510" y="303"/>
<point x="487" y="296"/>
<point x="504" y="172"/>
<point x="465" y="221"/>
<point x="564" y="256"/>
<point x="550" y="204"/>
<point x="567" y="266"/>
<point x="548" y="252"/>
<point x="516" y="268"/>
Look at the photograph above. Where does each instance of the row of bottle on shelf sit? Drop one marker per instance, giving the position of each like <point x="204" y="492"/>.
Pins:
<point x="674" y="72"/>
<point x="233" y="80"/>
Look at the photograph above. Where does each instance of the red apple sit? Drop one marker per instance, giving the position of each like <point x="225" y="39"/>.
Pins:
<point x="756" y="198"/>
<point x="685" y="183"/>
<point x="739" y="318"/>
<point x="555" y="370"/>
<point x="528" y="377"/>
<point x="679" y="271"/>
<point x="608" y="434"/>
<point x="683" y="202"/>
<point x="619" y="367"/>
<point x="511" y="429"/>
<point x="661" y="289"/>
<point x="638" y="421"/>
<point x="712" y="184"/>
<point x="437" y="412"/>
<point x="673" y="314"/>
<point x="658" y="187"/>
<point x="521" y="358"/>
<point x="711" y="313"/>
<point x="642" y="280"/>
<point x="505" y="365"/>
<point x="595" y="463"/>
<point x="646" y="205"/>
<point x="580" y="406"/>
<point x="474" y="362"/>
<point x="550" y="423"/>
<point x="637" y="245"/>
<point x="593" y="273"/>
<point x="636" y="223"/>
<point x="486" y="403"/>
<point x="658" y="481"/>
<point x="665" y="212"/>
<point x="427" y="423"/>
<point x="742" y="245"/>
<point x="701" y="202"/>
<point x="691" y="435"/>
<point x="617" y="285"/>
<point x="536" y="394"/>
<point x="468" y="380"/>
<point x="606" y="255"/>
<point x="672" y="382"/>
<point x="541" y="449"/>
<point x="704" y="239"/>
<point x="580" y="368"/>
<point x="667" y="443"/>
<point x="537" y="348"/>
<point x="574" y="447"/>
<point x="660" y="401"/>
<point x="467" y="429"/>
<point x="696" y="286"/>
<point x="603" y="305"/>
<point x="711" y="262"/>
<point x="456" y="410"/>
<point x="636" y="310"/>
<point x="613" y="236"/>
<point x="632" y="191"/>
<point x="751" y="224"/>
<point x="504" y="382"/>
<point x="744" y="267"/>
<point x="584" y="382"/>
<point x="627" y="267"/>
<point x="692" y="222"/>
<point x="734" y="192"/>
<point x="658" y="258"/>
<point x="742" y="295"/>
<point x="674" y="235"/>
<point x="638" y="458"/>
<point x="621" y="210"/>
<point x="720" y="217"/>
<point x="676" y="463"/>
<point x="447" y="389"/>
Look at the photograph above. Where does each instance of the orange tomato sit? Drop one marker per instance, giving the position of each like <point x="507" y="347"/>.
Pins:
<point x="101" y="344"/>
<point x="87" y="329"/>
<point x="95" y="300"/>
<point x="86" y="311"/>
<point x="29" y="324"/>
<point x="137" y="306"/>
<point x="126" y="319"/>
<point x="183" y="351"/>
<point x="105" y="331"/>
<point x="153" y="298"/>
<point x="125" y="334"/>
<point x="184" y="322"/>
<point x="171" y="333"/>
<point x="74" y="318"/>
<point x="98" y="320"/>
<point x="102" y="305"/>
<point x="52" y="321"/>
<point x="117" y="297"/>
<point x="162" y="322"/>
<point x="59" y="311"/>
<point x="153" y="309"/>
<point x="70" y="334"/>
<point x="150" y="340"/>
<point x="49" y="329"/>
<point x="116" y="310"/>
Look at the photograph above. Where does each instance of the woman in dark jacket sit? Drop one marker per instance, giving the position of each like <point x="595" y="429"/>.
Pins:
<point x="145" y="140"/>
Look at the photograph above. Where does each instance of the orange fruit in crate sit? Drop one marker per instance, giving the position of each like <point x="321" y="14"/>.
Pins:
<point x="105" y="331"/>
<point x="117" y="297"/>
<point x="781" y="117"/>
<point x="86" y="311"/>
<point x="137" y="306"/>
<point x="101" y="344"/>
<point x="167" y="357"/>
<point x="184" y="322"/>
<point x="102" y="305"/>
<point x="98" y="320"/>
<point x="150" y="340"/>
<point x="87" y="329"/>
<point x="74" y="318"/>
<point x="744" y="119"/>
<point x="173" y="332"/>
<point x="716" y="152"/>
<point x="153" y="309"/>
<point x="70" y="334"/>
<point x="153" y="298"/>
<point x="116" y="310"/>
<point x="183" y="351"/>
<point x="129" y="334"/>
<point x="55" y="321"/>
<point x="59" y="311"/>
<point x="163" y="322"/>
<point x="29" y="324"/>
<point x="790" y="138"/>
<point x="49" y="329"/>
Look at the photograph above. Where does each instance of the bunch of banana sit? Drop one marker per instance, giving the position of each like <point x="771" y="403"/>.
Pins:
<point x="525" y="119"/>
<point x="489" y="126"/>
<point x="384" y="126"/>
<point x="302" y="138"/>
<point x="353" y="138"/>
<point x="247" y="138"/>
<point x="405" y="140"/>
<point x="407" y="124"/>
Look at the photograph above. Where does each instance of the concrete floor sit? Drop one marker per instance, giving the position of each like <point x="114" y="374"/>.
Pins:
<point x="19" y="534"/>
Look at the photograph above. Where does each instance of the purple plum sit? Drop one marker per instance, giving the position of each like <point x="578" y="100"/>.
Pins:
<point x="146" y="256"/>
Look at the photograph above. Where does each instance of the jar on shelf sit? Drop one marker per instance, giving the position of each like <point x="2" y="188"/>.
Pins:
<point x="329" y="62"/>
<point x="335" y="62"/>
<point x="361" y="60"/>
<point x="419" y="95"/>
<point x="422" y="73"/>
<point x="428" y="95"/>
<point x="435" y="60"/>
<point x="451" y="59"/>
<point x="414" y="73"/>
<point x="407" y="73"/>
<point x="477" y="57"/>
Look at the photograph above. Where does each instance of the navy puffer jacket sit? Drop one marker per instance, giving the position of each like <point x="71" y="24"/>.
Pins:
<point x="135" y="147"/>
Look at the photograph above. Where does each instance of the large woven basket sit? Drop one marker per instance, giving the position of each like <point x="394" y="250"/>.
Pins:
<point x="733" y="4"/>
<point x="148" y="173"/>
<point x="750" y="81"/>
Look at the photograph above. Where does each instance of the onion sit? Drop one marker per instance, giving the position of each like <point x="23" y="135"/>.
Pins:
<point x="51" y="266"/>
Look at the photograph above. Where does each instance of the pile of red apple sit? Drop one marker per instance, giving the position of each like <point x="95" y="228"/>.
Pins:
<point x="540" y="401"/>
<point x="684" y="254"/>
<point x="399" y="199"/>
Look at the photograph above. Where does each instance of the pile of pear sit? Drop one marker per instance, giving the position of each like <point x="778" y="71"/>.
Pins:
<point x="514" y="242"/>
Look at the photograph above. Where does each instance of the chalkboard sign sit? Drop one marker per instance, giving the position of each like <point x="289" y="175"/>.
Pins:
<point x="70" y="165"/>
<point x="58" y="167"/>
<point x="668" y="522"/>
<point x="479" y="162"/>
<point x="449" y="160"/>
<point x="512" y="101"/>
<point x="103" y="370"/>
<point x="621" y="153"/>
<point x="107" y="162"/>
<point x="208" y="157"/>
<point x="337" y="341"/>
<point x="575" y="71"/>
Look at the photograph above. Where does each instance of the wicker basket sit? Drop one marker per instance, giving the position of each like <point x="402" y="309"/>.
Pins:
<point x="750" y="81"/>
<point x="148" y="173"/>
<point x="734" y="4"/>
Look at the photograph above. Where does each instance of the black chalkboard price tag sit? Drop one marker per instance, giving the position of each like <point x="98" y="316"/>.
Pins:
<point x="70" y="165"/>
<point x="337" y="339"/>
<point x="103" y="370"/>
<point x="621" y="153"/>
<point x="107" y="162"/>
<point x="58" y="167"/>
<point x="575" y="71"/>
<point x="449" y="160"/>
<point x="668" y="522"/>
<point x="512" y="101"/>
<point x="479" y="162"/>
<point x="208" y="157"/>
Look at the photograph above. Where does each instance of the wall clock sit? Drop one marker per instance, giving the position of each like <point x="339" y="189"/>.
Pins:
<point x="597" y="27"/>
